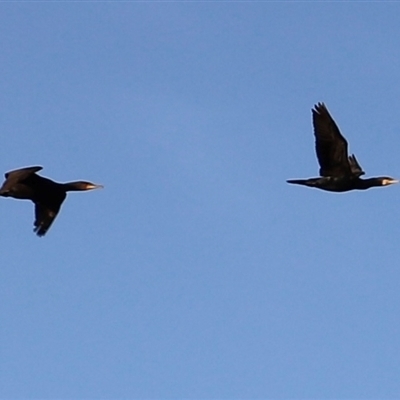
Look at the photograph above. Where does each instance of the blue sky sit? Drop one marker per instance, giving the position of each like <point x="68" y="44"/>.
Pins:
<point x="198" y="272"/>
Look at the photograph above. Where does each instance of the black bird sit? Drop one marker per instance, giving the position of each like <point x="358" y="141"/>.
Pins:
<point x="339" y="172"/>
<point x="46" y="194"/>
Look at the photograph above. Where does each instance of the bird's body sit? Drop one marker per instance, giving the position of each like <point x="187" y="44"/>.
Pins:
<point x="339" y="172"/>
<point x="46" y="194"/>
<point x="343" y="183"/>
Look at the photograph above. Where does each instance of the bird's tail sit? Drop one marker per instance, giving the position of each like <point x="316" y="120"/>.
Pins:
<point x="298" y="181"/>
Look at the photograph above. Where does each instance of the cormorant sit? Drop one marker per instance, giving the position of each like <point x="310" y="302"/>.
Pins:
<point x="46" y="194"/>
<point x="339" y="172"/>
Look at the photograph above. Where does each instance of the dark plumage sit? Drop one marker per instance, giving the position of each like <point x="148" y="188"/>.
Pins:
<point x="46" y="194"/>
<point x="339" y="171"/>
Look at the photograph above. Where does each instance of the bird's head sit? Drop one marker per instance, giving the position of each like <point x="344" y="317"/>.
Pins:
<point x="385" y="180"/>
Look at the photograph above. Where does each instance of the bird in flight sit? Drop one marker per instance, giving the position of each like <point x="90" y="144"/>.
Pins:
<point x="338" y="171"/>
<point x="46" y="194"/>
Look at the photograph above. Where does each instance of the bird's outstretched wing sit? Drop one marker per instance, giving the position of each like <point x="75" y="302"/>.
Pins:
<point x="44" y="217"/>
<point x="330" y="145"/>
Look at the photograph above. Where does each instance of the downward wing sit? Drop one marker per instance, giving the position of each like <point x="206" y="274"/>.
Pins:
<point x="330" y="145"/>
<point x="44" y="217"/>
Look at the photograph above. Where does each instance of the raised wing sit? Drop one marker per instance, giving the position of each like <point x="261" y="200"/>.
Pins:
<point x="18" y="178"/>
<point x="22" y="173"/>
<point x="330" y="145"/>
<point x="355" y="166"/>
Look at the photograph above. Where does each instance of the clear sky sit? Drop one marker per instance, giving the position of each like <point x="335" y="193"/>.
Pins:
<point x="198" y="272"/>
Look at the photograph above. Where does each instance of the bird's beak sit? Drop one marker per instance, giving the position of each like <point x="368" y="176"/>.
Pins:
<point x="93" y="186"/>
<point x="390" y="181"/>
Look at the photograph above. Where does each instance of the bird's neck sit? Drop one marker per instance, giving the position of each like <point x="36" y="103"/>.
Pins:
<point x="368" y="183"/>
<point x="73" y="186"/>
